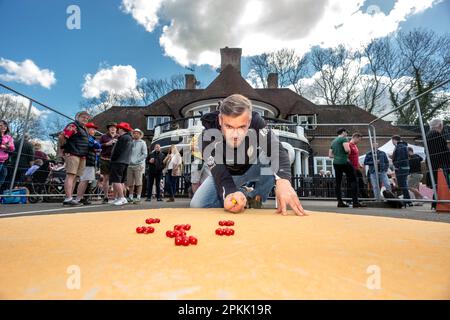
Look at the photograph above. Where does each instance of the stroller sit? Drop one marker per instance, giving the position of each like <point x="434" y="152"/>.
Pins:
<point x="45" y="181"/>
<point x="36" y="183"/>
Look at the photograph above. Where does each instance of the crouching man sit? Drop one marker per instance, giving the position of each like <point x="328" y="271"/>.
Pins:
<point x="246" y="161"/>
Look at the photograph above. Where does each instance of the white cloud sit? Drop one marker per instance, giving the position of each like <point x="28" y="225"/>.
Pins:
<point x="26" y="72"/>
<point x="116" y="79"/>
<point x="144" y="12"/>
<point x="195" y="30"/>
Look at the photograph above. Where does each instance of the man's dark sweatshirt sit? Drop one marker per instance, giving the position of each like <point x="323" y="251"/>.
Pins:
<point x="223" y="172"/>
<point x="122" y="149"/>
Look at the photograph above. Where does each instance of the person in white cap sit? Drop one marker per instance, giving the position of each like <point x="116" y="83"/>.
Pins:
<point x="136" y="168"/>
<point x="74" y="146"/>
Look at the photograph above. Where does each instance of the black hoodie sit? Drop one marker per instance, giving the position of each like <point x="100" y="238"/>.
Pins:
<point x="121" y="152"/>
<point x="223" y="172"/>
<point x="400" y="156"/>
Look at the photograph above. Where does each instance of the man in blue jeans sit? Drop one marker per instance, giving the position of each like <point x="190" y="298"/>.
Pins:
<point x="383" y="166"/>
<point x="239" y="150"/>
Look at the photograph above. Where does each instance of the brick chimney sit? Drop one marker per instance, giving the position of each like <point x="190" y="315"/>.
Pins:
<point x="190" y="82"/>
<point x="272" y="81"/>
<point x="231" y="56"/>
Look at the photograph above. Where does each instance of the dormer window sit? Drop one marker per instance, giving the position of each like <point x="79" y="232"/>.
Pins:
<point x="259" y="110"/>
<point x="201" y="111"/>
<point x="308" y="121"/>
<point x="153" y="121"/>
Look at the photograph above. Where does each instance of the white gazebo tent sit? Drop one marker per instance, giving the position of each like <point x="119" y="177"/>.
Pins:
<point x="389" y="147"/>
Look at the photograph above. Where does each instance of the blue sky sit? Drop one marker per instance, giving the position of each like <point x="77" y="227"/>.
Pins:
<point x="36" y="30"/>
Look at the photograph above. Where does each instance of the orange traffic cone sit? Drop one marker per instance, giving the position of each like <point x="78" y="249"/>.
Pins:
<point x="443" y="192"/>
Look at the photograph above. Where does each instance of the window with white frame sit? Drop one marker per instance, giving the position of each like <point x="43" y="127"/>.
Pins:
<point x="308" y="120"/>
<point x="153" y="121"/>
<point x="323" y="163"/>
<point x="201" y="111"/>
<point x="259" y="110"/>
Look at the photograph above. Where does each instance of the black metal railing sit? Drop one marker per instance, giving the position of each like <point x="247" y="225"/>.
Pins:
<point x="306" y="187"/>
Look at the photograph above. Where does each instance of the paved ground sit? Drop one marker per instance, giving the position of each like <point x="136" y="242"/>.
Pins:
<point x="416" y="213"/>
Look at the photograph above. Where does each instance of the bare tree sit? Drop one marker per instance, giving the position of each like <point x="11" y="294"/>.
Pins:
<point x="374" y="79"/>
<point x="427" y="63"/>
<point x="338" y="74"/>
<point x="103" y="102"/>
<point x="289" y="66"/>
<point x="13" y="109"/>
<point x="150" y="90"/>
<point x="147" y="91"/>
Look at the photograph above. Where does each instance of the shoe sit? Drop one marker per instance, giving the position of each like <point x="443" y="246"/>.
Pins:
<point x="148" y="199"/>
<point x="408" y="204"/>
<point x="120" y="202"/>
<point x="66" y="202"/>
<point x="159" y="199"/>
<point x="75" y="203"/>
<point x="136" y="201"/>
<point x="359" y="205"/>
<point x="112" y="201"/>
<point x="130" y="200"/>
<point x="86" y="202"/>
<point x="342" y="205"/>
<point x="170" y="200"/>
<point x="105" y="200"/>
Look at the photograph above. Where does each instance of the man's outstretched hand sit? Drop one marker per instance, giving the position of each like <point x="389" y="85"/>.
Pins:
<point x="235" y="202"/>
<point x="286" y="195"/>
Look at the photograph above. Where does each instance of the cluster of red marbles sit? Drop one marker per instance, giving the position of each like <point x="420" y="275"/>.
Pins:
<point x="145" y="229"/>
<point x="180" y="236"/>
<point x="225" y="231"/>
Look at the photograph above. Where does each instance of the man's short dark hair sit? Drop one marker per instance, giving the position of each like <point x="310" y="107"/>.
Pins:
<point x="235" y="105"/>
<point x="357" y="135"/>
<point x="396" y="138"/>
<point x="340" y="130"/>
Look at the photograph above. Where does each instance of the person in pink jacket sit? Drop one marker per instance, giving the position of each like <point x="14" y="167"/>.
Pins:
<point x="6" y="147"/>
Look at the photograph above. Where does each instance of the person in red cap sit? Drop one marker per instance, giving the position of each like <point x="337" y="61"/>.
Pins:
<point x="107" y="141"/>
<point x="74" y="146"/>
<point x="88" y="175"/>
<point x="120" y="159"/>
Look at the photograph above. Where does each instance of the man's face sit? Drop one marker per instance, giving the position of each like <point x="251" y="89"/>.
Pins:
<point x="83" y="118"/>
<point x="356" y="140"/>
<point x="136" y="135"/>
<point x="394" y="142"/>
<point x="121" y="131"/>
<point x="91" y="131"/>
<point x="112" y="131"/>
<point x="234" y="129"/>
<point x="157" y="148"/>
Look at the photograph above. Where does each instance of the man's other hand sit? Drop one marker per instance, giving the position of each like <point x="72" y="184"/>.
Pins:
<point x="286" y="195"/>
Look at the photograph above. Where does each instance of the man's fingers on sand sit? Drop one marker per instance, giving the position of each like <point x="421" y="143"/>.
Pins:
<point x="300" y="211"/>
<point x="283" y="207"/>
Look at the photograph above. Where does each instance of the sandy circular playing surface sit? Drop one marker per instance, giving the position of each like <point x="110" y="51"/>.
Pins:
<point x="322" y="256"/>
